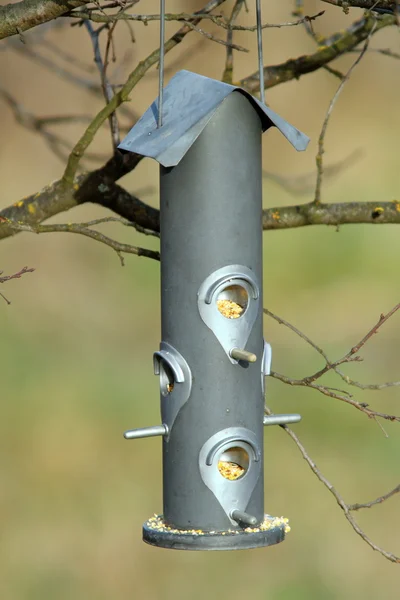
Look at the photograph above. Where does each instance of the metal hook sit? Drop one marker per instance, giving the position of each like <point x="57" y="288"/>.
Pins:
<point x="260" y="51"/>
<point x="161" y="63"/>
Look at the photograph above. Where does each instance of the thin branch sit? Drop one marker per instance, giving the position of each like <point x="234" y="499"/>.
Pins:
<point x="227" y="75"/>
<point x="92" y="15"/>
<point x="211" y="37"/>
<point x="4" y="278"/>
<point x="321" y="139"/>
<point x="123" y="95"/>
<point x="306" y="19"/>
<point x="379" y="500"/>
<point x="84" y="229"/>
<point x="331" y="393"/>
<point x="335" y="46"/>
<point x="351" y="354"/>
<point x="106" y="87"/>
<point x="389" y="5"/>
<point x="302" y="335"/>
<point x="366" y="386"/>
<point x="341" y="395"/>
<point x="345" y="507"/>
<point x="335" y="72"/>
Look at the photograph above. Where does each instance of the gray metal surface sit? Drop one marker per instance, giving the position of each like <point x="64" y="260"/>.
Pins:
<point x="265" y="365"/>
<point x="143" y="432"/>
<point x="189" y="102"/>
<point x="281" y="419"/>
<point x="218" y="228"/>
<point x="243" y="517"/>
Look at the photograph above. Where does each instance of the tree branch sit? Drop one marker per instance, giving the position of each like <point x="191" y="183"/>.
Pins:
<point x="99" y="187"/>
<point x="333" y="47"/>
<point x="15" y="18"/>
<point x="300" y="215"/>
<point x="85" y="229"/>
<point x="389" y="5"/>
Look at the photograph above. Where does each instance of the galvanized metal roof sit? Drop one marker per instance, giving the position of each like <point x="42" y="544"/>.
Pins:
<point x="190" y="101"/>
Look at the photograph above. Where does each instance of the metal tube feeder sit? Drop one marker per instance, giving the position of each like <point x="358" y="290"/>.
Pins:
<point x="212" y="360"/>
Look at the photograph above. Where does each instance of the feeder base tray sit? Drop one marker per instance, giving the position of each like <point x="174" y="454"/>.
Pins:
<point x="270" y="532"/>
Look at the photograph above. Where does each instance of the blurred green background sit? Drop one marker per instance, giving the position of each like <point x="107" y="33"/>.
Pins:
<point x="76" y="345"/>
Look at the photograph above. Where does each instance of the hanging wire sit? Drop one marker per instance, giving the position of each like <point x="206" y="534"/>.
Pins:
<point x="161" y="63"/>
<point x="260" y="51"/>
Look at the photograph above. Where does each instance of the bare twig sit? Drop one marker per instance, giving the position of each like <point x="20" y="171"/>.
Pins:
<point x="331" y="393"/>
<point x="389" y="5"/>
<point x="227" y="76"/>
<point x="306" y="19"/>
<point x="106" y="87"/>
<point x="84" y="229"/>
<point x="211" y="37"/>
<point x="379" y="500"/>
<point x="341" y="395"/>
<point x="4" y="278"/>
<point x="92" y="15"/>
<point x="351" y="354"/>
<point x="321" y="139"/>
<point x="345" y="507"/>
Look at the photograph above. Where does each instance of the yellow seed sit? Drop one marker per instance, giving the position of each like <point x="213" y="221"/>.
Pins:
<point x="230" y="470"/>
<point x="229" y="309"/>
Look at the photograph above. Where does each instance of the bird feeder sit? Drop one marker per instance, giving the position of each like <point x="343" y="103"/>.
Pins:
<point x="212" y="360"/>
